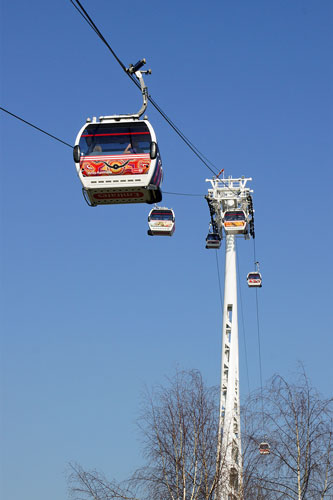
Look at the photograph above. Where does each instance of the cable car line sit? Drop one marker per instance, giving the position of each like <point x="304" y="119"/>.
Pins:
<point x="70" y="146"/>
<point x="37" y="128"/>
<point x="254" y="250"/>
<point x="183" y="194"/>
<point x="81" y="14"/>
<point x="193" y="148"/>
<point x="260" y="364"/>
<point x="264" y="447"/>
<point x="91" y="23"/>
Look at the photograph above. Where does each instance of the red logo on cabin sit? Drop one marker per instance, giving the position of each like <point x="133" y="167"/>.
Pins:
<point x="123" y="194"/>
<point x="112" y="165"/>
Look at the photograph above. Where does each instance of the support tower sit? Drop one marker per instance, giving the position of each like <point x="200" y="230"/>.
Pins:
<point x="231" y="210"/>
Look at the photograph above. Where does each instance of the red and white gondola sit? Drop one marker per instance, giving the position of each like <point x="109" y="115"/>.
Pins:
<point x="117" y="157"/>
<point x="254" y="279"/>
<point x="235" y="222"/>
<point x="118" y="161"/>
<point x="161" y="221"/>
<point x="264" y="449"/>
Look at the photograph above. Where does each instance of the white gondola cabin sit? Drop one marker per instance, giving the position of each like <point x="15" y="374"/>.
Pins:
<point x="213" y="240"/>
<point x="161" y="222"/>
<point x="235" y="222"/>
<point x="254" y="279"/>
<point x="118" y="161"/>
<point x="264" y="449"/>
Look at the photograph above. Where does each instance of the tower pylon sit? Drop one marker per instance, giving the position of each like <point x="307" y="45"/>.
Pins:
<point x="233" y="213"/>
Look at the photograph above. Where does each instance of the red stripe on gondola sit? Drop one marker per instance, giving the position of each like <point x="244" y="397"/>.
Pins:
<point x="121" y="133"/>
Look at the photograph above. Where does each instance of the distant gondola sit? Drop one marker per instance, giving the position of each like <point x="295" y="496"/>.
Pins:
<point x="254" y="279"/>
<point x="235" y="222"/>
<point x="213" y="240"/>
<point x="264" y="449"/>
<point x="161" y="222"/>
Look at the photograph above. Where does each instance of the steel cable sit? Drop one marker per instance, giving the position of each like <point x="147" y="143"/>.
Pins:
<point x="79" y="7"/>
<point x="37" y="128"/>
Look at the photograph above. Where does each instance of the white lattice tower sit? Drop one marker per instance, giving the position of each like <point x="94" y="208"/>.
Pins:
<point x="230" y="194"/>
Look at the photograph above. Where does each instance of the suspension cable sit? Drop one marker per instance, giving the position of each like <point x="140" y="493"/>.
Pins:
<point x="37" y="128"/>
<point x="259" y="343"/>
<point x="260" y="363"/>
<point x="182" y="194"/>
<point x="254" y="250"/>
<point x="67" y="144"/>
<point x="79" y="7"/>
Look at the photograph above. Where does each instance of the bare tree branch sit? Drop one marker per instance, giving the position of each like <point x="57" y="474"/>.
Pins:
<point x="298" y="427"/>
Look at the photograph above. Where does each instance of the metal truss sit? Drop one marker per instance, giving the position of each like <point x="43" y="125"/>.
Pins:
<point x="225" y="195"/>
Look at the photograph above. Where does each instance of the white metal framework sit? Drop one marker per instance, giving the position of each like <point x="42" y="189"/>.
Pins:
<point x="229" y="195"/>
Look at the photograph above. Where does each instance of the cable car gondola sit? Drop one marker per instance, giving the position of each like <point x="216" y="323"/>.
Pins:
<point x="254" y="278"/>
<point x="213" y="240"/>
<point x="235" y="222"/>
<point x="161" y="222"/>
<point x="118" y="162"/>
<point x="264" y="449"/>
<point x="117" y="157"/>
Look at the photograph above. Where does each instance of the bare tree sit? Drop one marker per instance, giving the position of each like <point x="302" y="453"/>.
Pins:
<point x="94" y="485"/>
<point x="297" y="423"/>
<point x="179" y="428"/>
<point x="179" y="425"/>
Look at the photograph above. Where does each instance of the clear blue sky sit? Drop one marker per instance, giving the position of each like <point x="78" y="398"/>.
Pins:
<point x="92" y="308"/>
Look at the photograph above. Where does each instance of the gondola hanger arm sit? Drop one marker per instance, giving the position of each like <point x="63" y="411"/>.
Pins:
<point x="135" y="69"/>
